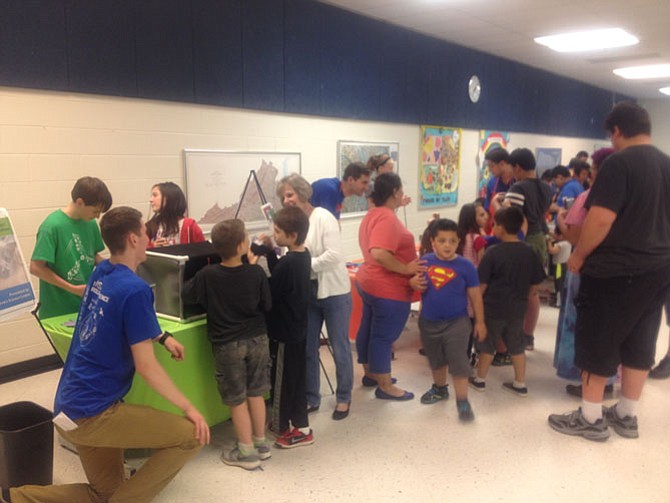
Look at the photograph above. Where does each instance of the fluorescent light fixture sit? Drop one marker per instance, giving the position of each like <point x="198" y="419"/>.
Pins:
<point x="590" y="40"/>
<point x="665" y="90"/>
<point x="644" y="72"/>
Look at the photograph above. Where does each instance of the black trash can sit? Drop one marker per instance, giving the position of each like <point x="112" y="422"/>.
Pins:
<point x="26" y="445"/>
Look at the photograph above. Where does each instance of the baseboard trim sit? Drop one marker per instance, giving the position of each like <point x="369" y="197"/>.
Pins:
<point x="29" y="368"/>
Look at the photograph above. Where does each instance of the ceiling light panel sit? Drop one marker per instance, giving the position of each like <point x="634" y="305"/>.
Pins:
<point x="591" y="40"/>
<point x="644" y="72"/>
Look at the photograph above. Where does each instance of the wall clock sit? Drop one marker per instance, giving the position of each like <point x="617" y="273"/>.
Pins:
<point x="474" y="89"/>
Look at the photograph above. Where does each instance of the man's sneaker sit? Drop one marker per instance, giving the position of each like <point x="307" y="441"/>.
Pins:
<point x="576" y="390"/>
<point x="522" y="392"/>
<point x="501" y="360"/>
<point x="530" y="342"/>
<point x="662" y="370"/>
<point x="294" y="438"/>
<point x="435" y="394"/>
<point x="465" y="413"/>
<point x="264" y="450"/>
<point x="479" y="386"/>
<point x="235" y="458"/>
<point x="626" y="427"/>
<point x="573" y="423"/>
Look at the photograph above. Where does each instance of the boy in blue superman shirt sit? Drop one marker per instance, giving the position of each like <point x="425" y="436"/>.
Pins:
<point x="445" y="328"/>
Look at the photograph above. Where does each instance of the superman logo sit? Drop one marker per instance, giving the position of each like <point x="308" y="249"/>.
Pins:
<point x="440" y="276"/>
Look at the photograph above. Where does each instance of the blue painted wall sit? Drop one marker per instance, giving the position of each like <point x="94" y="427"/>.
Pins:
<point x="295" y="56"/>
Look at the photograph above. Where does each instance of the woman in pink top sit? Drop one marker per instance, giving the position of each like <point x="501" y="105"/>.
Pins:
<point x="390" y="260"/>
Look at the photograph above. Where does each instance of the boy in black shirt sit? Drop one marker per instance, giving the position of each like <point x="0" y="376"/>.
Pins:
<point x="508" y="273"/>
<point x="236" y="297"/>
<point x="287" y="324"/>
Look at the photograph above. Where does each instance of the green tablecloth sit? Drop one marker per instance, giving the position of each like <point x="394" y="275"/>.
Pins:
<point x="194" y="376"/>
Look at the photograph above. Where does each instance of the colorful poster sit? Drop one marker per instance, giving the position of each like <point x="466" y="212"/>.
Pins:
<point x="16" y="290"/>
<point x="440" y="166"/>
<point x="488" y="140"/>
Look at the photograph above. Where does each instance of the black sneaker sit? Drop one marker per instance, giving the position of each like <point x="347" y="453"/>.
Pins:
<point x="465" y="413"/>
<point x="573" y="423"/>
<point x="435" y="394"/>
<point x="625" y="427"/>
<point x="662" y="370"/>
<point x="530" y="342"/>
<point x="522" y="392"/>
<point x="501" y="360"/>
<point x="479" y="386"/>
<point x="576" y="390"/>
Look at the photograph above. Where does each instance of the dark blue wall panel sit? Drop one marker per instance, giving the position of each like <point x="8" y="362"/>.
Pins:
<point x="295" y="56"/>
<point x="303" y="32"/>
<point x="33" y="49"/>
<point x="217" y="52"/>
<point x="163" y="31"/>
<point x="101" y="47"/>
<point x="263" y="52"/>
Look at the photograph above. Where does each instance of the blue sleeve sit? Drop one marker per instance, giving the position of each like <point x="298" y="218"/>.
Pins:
<point x="471" y="277"/>
<point x="323" y="197"/>
<point x="139" y="317"/>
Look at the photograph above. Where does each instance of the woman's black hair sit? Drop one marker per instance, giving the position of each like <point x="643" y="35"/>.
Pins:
<point x="173" y="208"/>
<point x="385" y="186"/>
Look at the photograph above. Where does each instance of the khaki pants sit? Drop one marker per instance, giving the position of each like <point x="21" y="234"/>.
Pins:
<point x="100" y="441"/>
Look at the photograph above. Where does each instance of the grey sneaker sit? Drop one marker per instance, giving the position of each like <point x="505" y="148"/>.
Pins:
<point x="235" y="458"/>
<point x="522" y="392"/>
<point x="573" y="423"/>
<point x="626" y="427"/>
<point x="264" y="450"/>
<point x="479" y="386"/>
<point x="435" y="394"/>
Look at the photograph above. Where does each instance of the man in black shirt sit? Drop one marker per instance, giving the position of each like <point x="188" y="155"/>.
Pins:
<point x="624" y="256"/>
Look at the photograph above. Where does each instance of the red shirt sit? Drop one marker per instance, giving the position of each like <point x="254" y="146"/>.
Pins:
<point x="380" y="228"/>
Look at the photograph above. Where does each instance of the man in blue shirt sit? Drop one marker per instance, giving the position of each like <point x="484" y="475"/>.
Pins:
<point x="114" y="337"/>
<point x="570" y="187"/>
<point x="329" y="193"/>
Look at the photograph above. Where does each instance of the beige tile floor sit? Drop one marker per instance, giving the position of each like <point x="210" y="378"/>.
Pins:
<point x="412" y="452"/>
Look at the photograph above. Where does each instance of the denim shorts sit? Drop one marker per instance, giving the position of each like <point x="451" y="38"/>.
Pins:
<point x="242" y="369"/>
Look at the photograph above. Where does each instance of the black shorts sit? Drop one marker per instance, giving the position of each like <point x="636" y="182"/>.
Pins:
<point x="509" y="330"/>
<point x="618" y="321"/>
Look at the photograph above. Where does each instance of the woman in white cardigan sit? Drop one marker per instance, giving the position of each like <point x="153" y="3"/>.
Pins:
<point x="331" y="295"/>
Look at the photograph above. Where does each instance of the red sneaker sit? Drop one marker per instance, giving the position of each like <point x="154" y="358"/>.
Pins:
<point x="294" y="438"/>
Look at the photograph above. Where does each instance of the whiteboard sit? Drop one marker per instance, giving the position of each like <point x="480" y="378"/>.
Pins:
<point x="215" y="181"/>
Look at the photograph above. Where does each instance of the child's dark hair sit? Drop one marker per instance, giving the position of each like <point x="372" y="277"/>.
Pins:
<point x="510" y="219"/>
<point x="116" y="224"/>
<point x="173" y="208"/>
<point x="523" y="158"/>
<point x="467" y="223"/>
<point x="93" y="192"/>
<point x="227" y="236"/>
<point x="442" y="224"/>
<point x="385" y="185"/>
<point x="292" y="220"/>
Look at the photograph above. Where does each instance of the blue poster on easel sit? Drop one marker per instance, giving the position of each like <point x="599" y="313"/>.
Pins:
<point x="16" y="291"/>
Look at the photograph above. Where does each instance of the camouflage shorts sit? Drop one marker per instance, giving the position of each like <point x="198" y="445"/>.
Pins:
<point x="242" y="369"/>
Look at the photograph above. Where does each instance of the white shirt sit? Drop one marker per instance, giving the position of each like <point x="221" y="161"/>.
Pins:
<point x="325" y="245"/>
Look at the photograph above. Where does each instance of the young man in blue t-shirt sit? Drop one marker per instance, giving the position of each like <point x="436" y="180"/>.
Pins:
<point x="114" y="337"/>
<point x="329" y="193"/>
<point x="447" y="285"/>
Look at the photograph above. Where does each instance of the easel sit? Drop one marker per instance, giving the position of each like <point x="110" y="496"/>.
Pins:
<point x="252" y="174"/>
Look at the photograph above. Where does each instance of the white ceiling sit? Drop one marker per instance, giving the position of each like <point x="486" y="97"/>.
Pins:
<point x="506" y="28"/>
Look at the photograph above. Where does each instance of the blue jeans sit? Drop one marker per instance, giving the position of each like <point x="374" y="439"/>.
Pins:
<point x="335" y="311"/>
<point x="382" y="323"/>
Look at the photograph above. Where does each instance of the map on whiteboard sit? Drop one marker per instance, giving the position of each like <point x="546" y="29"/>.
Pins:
<point x="216" y="182"/>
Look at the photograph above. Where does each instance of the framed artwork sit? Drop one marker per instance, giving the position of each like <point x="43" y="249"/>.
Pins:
<point x="547" y="158"/>
<point x="439" y="166"/>
<point x="488" y="140"/>
<point x="358" y="151"/>
<point x="220" y="184"/>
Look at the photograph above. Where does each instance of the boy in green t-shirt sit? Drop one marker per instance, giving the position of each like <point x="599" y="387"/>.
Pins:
<point x="68" y="248"/>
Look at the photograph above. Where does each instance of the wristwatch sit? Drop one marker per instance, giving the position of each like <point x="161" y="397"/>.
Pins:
<point x="164" y="337"/>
